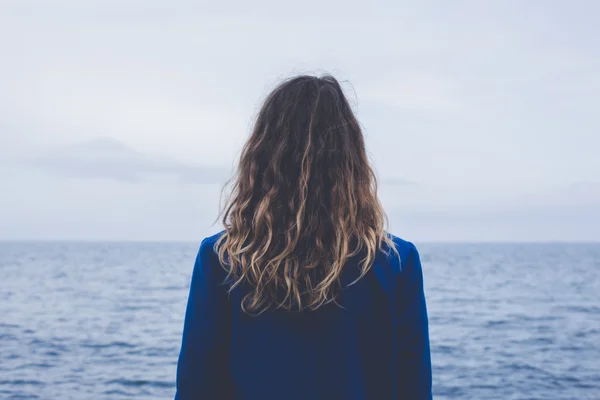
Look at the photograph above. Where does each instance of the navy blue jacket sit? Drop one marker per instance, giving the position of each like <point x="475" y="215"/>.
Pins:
<point x="375" y="346"/>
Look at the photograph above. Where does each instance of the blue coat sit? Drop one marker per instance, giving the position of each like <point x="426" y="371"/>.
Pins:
<point x="375" y="347"/>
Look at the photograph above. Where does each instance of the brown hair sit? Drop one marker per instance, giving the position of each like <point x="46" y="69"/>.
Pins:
<point x="304" y="200"/>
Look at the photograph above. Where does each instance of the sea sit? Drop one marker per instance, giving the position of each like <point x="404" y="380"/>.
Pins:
<point x="103" y="320"/>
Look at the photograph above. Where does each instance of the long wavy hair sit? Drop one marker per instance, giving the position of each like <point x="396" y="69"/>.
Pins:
<point x="303" y="200"/>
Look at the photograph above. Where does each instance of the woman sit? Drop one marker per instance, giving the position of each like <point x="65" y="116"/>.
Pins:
<point x="304" y="295"/>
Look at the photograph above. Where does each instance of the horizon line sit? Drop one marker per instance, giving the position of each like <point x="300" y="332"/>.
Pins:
<point x="197" y="241"/>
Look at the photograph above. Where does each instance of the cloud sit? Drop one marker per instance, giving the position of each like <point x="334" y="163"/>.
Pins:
<point x="111" y="159"/>
<point x="473" y="106"/>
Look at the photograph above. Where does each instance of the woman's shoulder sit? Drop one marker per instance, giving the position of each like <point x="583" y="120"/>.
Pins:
<point x="207" y="249"/>
<point x="210" y="241"/>
<point x="207" y="261"/>
<point x="404" y="247"/>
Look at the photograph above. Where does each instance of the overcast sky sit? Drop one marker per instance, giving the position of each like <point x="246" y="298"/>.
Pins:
<point x="120" y="119"/>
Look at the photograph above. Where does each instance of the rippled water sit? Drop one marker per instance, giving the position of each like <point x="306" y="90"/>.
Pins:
<point x="103" y="320"/>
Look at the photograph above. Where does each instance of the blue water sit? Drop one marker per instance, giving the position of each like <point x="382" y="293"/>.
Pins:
<point x="103" y="320"/>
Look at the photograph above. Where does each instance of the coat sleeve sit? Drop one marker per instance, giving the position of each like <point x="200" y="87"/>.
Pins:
<point x="413" y="332"/>
<point x="202" y="368"/>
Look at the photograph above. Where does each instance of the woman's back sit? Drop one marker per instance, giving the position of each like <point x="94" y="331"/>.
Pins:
<point x="372" y="344"/>
<point x="304" y="295"/>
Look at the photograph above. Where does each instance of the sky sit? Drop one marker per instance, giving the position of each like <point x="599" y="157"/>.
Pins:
<point x="122" y="119"/>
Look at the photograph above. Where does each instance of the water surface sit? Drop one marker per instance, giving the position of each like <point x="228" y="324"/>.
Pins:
<point x="103" y="320"/>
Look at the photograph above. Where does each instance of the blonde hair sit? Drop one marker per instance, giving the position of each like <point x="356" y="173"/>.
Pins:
<point x="303" y="202"/>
